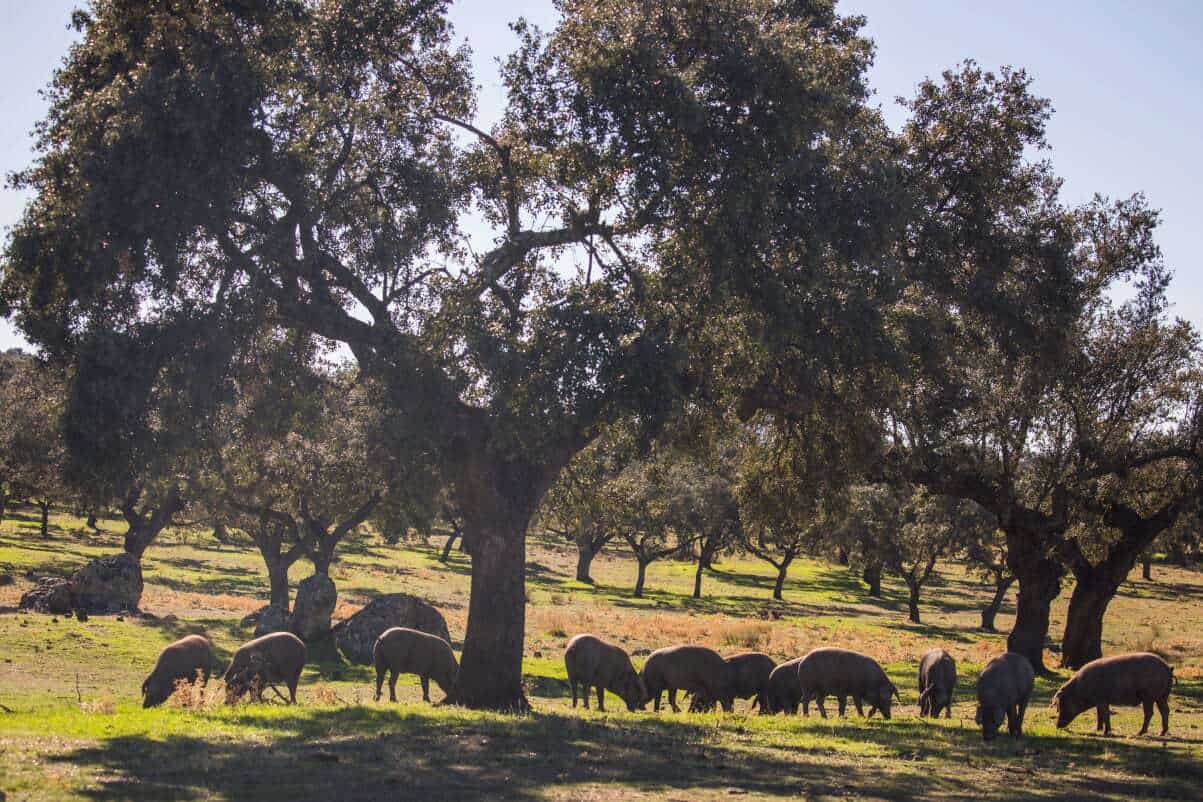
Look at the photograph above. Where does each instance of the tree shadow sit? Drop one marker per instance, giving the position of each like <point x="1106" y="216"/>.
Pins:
<point x="427" y="755"/>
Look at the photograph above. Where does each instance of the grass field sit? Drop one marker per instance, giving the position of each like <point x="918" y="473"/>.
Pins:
<point x="71" y="725"/>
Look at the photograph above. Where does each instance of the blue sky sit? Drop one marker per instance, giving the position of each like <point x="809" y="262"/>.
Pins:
<point x="1125" y="78"/>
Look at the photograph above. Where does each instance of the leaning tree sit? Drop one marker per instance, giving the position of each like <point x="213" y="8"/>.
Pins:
<point x="657" y="164"/>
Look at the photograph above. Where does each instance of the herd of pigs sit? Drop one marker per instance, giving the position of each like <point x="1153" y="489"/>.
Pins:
<point x="1003" y="688"/>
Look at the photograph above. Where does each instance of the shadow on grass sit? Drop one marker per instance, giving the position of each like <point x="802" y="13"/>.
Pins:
<point x="356" y="753"/>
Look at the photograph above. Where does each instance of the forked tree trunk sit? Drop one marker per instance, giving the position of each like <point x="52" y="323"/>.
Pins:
<point x="490" y="675"/>
<point x="1039" y="579"/>
<point x="44" y="506"/>
<point x="639" y="579"/>
<point x="872" y="577"/>
<point x="1097" y="584"/>
<point x="990" y="611"/>
<point x="697" y="580"/>
<point x="782" y="571"/>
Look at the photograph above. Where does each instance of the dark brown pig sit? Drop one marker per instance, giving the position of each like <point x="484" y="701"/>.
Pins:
<point x="1003" y="690"/>
<point x="186" y="659"/>
<point x="783" y="693"/>
<point x="590" y="661"/>
<point x="844" y="673"/>
<point x="752" y="670"/>
<point x="694" y="669"/>
<point x="1125" y="679"/>
<point x="937" y="679"/>
<point x="277" y="657"/>
<point x="400" y="650"/>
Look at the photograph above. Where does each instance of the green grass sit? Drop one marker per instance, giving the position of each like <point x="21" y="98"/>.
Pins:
<point x="71" y="727"/>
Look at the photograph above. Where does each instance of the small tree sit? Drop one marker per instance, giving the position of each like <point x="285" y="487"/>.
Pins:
<point x="987" y="553"/>
<point x="32" y="452"/>
<point x="299" y="466"/>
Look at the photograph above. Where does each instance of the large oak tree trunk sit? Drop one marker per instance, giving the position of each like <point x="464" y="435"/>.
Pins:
<point x="277" y="577"/>
<point x="697" y="580"/>
<point x="1039" y="578"/>
<point x="44" y="506"/>
<point x="1083" y="638"/>
<point x="1146" y="567"/>
<point x="490" y="675"/>
<point x="1098" y="584"/>
<point x="990" y="611"/>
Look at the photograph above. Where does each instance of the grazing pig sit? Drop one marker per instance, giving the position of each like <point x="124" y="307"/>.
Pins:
<point x="752" y="670"/>
<point x="407" y="651"/>
<point x="592" y="662"/>
<point x="783" y="693"/>
<point x="182" y="660"/>
<point x="1125" y="679"/>
<point x="277" y="657"/>
<point x="694" y="669"/>
<point x="937" y="679"/>
<point x="843" y="673"/>
<point x="1003" y="689"/>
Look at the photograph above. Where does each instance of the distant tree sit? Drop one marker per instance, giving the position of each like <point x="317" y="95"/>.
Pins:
<point x="299" y="467"/>
<point x="581" y="507"/>
<point x="987" y="554"/>
<point x="791" y="484"/>
<point x="32" y="452"/>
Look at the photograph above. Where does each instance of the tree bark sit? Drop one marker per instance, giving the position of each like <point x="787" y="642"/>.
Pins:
<point x="1039" y="578"/>
<point x="584" y="561"/>
<point x="872" y="577"/>
<point x="1083" y="638"/>
<point x="640" y="578"/>
<point x="1146" y="567"/>
<point x="1097" y="584"/>
<point x="44" y="506"/>
<point x="912" y="601"/>
<point x="3" y="504"/>
<point x="446" y="555"/>
<point x="990" y="611"/>
<point x="277" y="577"/>
<point x="841" y="555"/>
<point x="779" y="585"/>
<point x="697" y="580"/>
<point x="490" y="675"/>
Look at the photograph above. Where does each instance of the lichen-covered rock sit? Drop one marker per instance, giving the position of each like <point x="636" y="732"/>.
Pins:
<point x="357" y="636"/>
<point x="50" y="595"/>
<point x="316" y="597"/>
<point x="108" y="584"/>
<point x="271" y="619"/>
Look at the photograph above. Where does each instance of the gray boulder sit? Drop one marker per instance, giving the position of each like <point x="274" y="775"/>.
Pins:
<point x="50" y="595"/>
<point x="108" y="584"/>
<point x="316" y="597"/>
<point x="357" y="636"/>
<point x="266" y="620"/>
